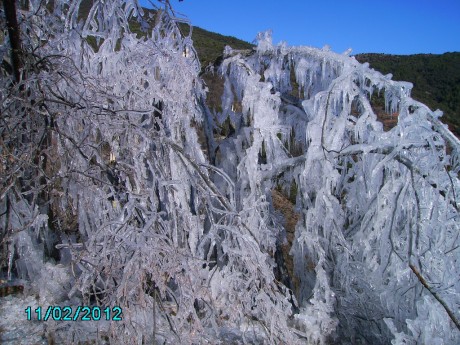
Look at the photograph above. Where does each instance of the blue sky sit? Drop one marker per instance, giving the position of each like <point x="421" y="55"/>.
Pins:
<point x="377" y="26"/>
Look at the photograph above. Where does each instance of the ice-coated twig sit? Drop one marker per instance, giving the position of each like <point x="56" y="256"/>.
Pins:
<point x="435" y="295"/>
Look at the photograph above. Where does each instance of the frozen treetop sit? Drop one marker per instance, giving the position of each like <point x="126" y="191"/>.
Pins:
<point x="370" y="198"/>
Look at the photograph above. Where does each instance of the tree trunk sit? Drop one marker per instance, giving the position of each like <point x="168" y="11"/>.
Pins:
<point x="15" y="38"/>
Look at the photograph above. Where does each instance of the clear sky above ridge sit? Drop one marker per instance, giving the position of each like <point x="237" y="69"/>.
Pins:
<point x="383" y="26"/>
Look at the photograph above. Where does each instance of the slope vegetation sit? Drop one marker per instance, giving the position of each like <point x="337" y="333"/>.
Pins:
<point x="436" y="79"/>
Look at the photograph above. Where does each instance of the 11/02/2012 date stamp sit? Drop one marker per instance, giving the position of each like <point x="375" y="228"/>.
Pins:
<point x="79" y="313"/>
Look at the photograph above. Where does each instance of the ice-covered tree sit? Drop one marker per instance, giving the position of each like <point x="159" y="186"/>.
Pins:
<point x="101" y="161"/>
<point x="379" y="208"/>
<point x="108" y="197"/>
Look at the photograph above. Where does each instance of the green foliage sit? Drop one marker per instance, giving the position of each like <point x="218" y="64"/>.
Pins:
<point x="436" y="79"/>
<point x="263" y="154"/>
<point x="210" y="45"/>
<point x="248" y="121"/>
<point x="293" y="192"/>
<point x="295" y="89"/>
<point x="227" y="128"/>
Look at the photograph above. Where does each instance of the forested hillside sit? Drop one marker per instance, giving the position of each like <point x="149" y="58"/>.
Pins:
<point x="436" y="79"/>
<point x="210" y="45"/>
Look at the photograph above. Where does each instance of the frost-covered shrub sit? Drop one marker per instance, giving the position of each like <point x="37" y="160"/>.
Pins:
<point x="108" y="171"/>
<point x="107" y="197"/>
<point x="380" y="209"/>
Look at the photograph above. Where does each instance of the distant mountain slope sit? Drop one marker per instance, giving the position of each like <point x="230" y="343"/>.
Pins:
<point x="436" y="79"/>
<point x="210" y="45"/>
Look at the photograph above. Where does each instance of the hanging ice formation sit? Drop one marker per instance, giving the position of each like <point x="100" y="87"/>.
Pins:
<point x="379" y="209"/>
<point x="108" y="198"/>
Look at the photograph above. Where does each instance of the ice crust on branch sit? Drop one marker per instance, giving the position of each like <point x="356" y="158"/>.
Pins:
<point x="108" y="191"/>
<point x="373" y="202"/>
<point x="110" y="175"/>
